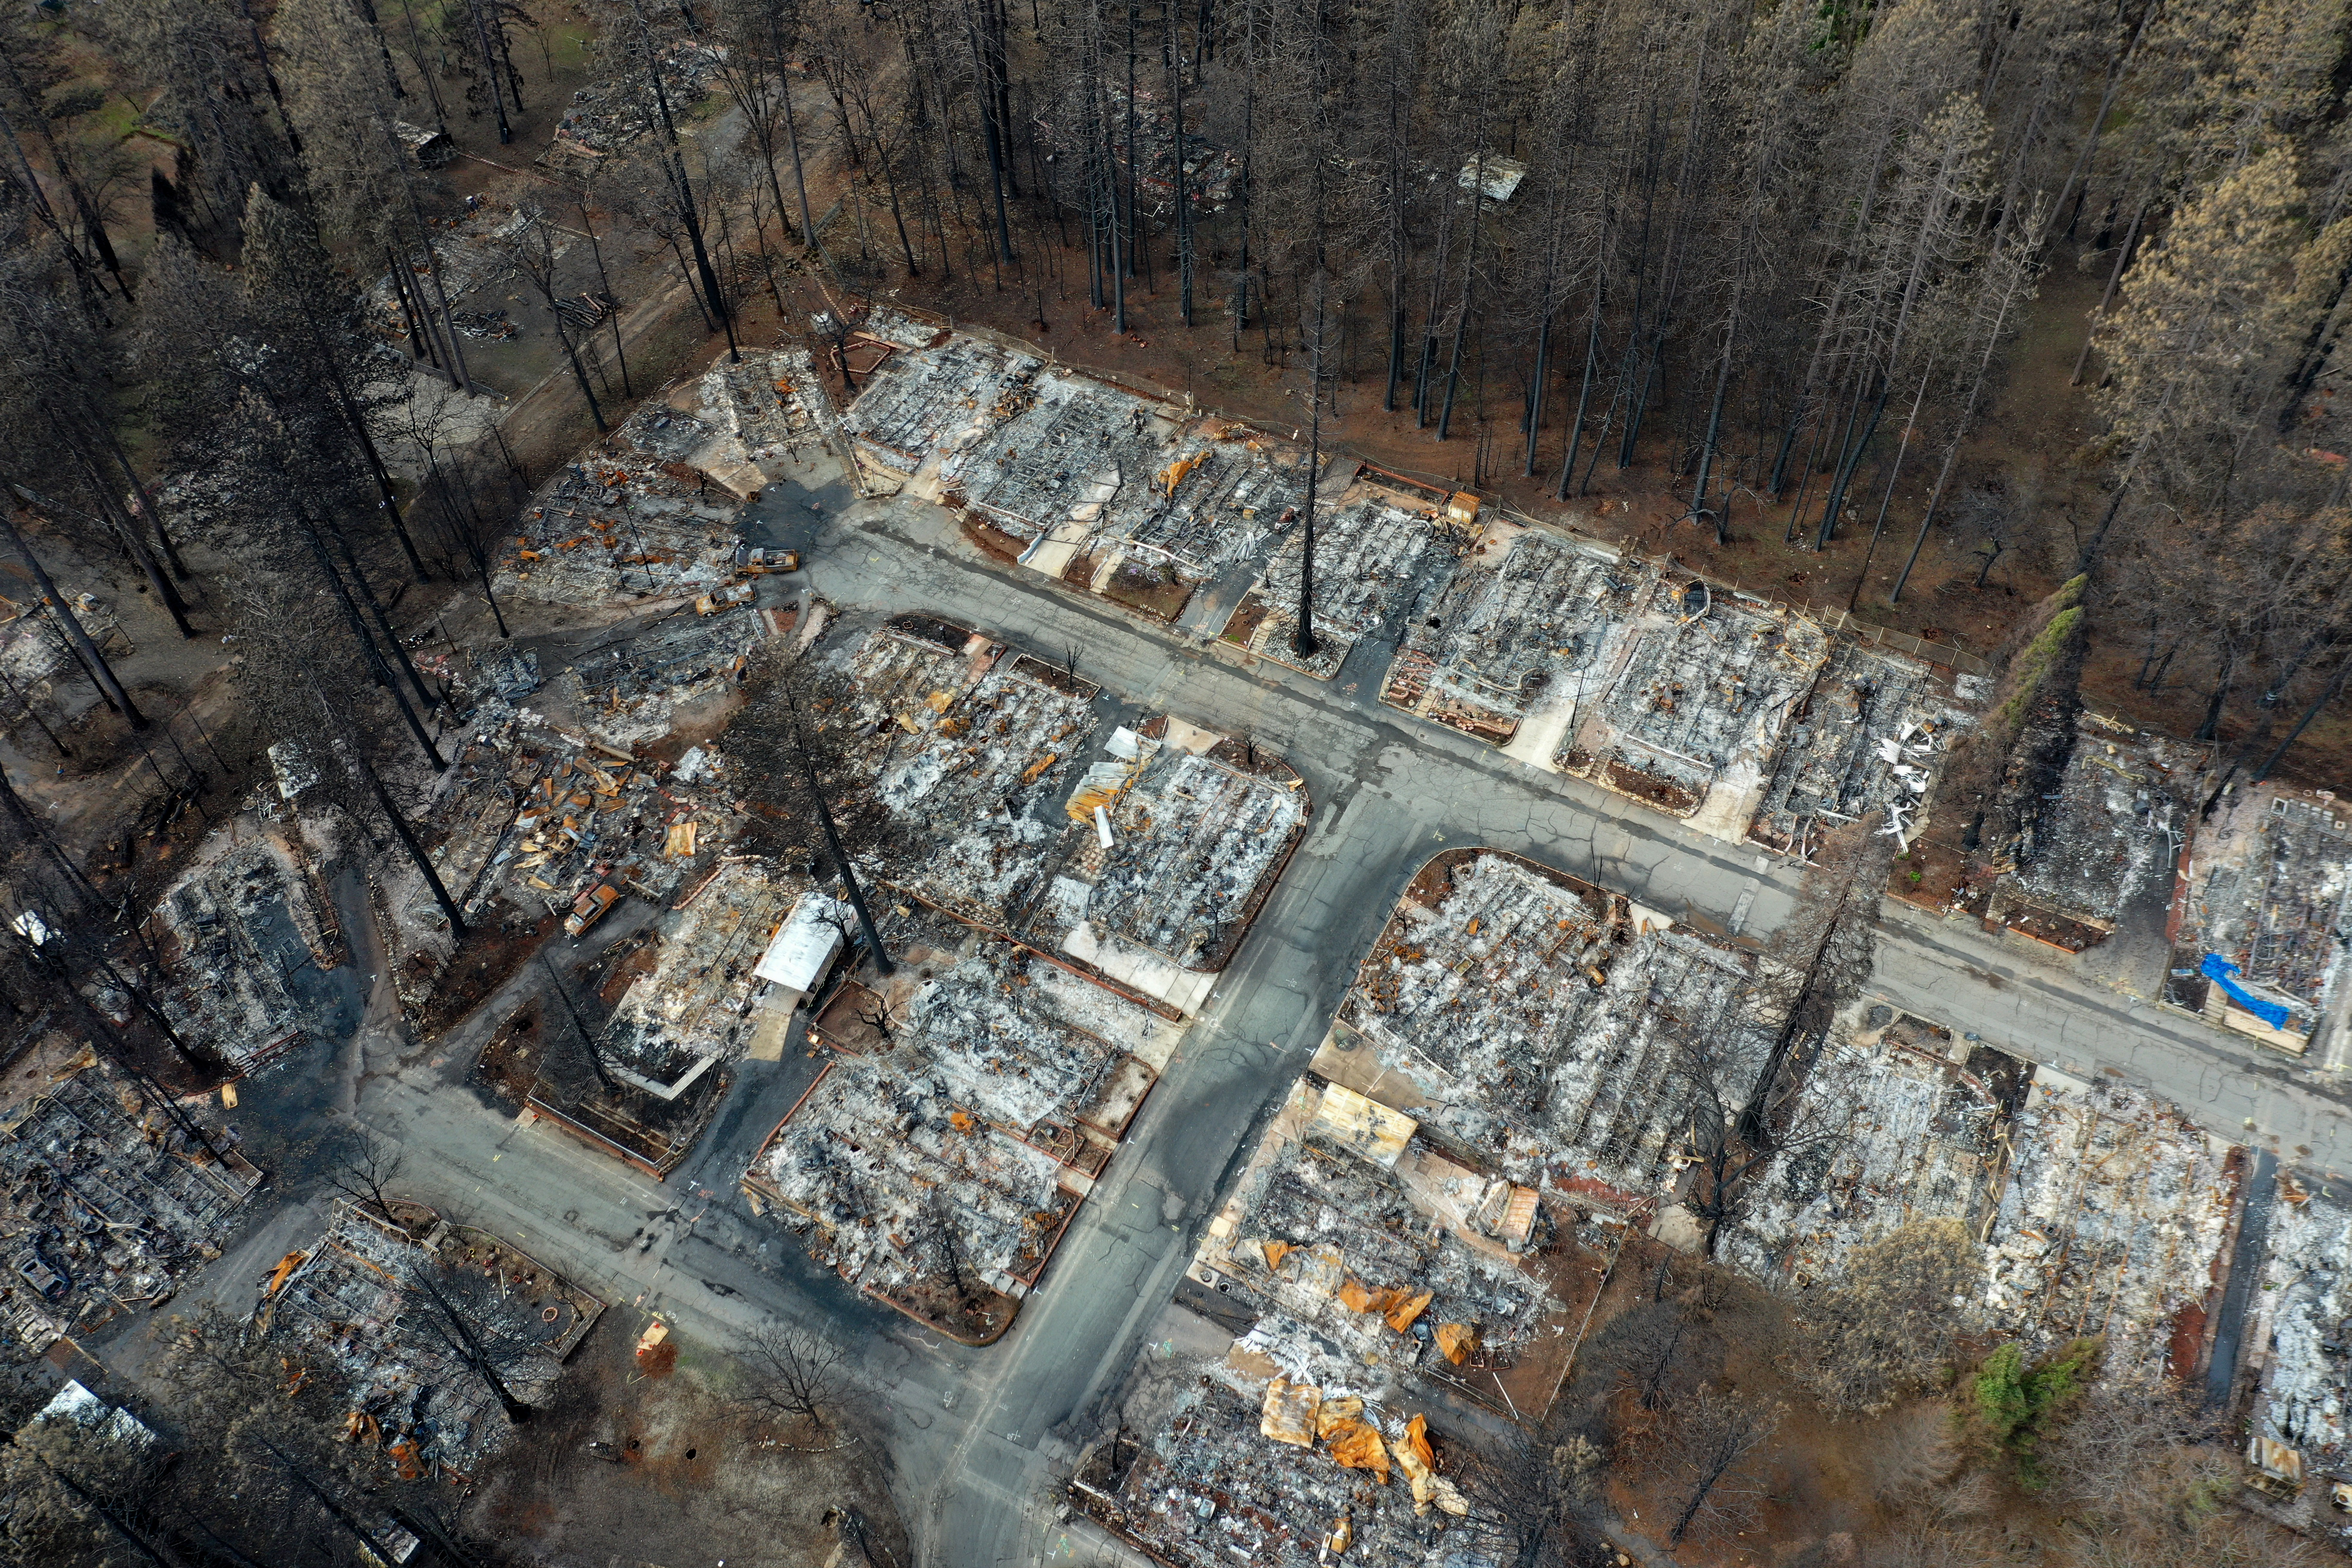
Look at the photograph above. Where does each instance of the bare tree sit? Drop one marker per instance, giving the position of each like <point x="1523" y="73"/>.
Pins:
<point x="796" y="1372"/>
<point x="1715" y="1434"/>
<point x="798" y="757"/>
<point x="1889" y="1323"/>
<point x="470" y="1315"/>
<point x="363" y="1168"/>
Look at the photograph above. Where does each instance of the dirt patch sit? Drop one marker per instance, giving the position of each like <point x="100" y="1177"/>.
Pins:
<point x="489" y="956"/>
<point x="1154" y="590"/>
<point x="509" y="1063"/>
<point x="992" y="539"/>
<point x="633" y="1468"/>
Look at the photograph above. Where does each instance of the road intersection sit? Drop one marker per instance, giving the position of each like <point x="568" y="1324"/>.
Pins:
<point x="980" y="1439"/>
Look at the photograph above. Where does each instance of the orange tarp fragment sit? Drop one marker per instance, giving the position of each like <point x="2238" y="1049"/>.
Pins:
<point x="1404" y="1309"/>
<point x="1416" y="1472"/>
<point x="1458" y="1340"/>
<point x="1358" y="1447"/>
<point x="1289" y="1413"/>
<point x="1337" y="1415"/>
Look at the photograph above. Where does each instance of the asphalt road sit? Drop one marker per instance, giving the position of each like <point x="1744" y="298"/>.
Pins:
<point x="980" y="1439"/>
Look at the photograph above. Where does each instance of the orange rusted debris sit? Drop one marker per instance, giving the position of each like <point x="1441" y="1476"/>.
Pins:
<point x="1456" y="1341"/>
<point x="1335" y="1414"/>
<point x="1357" y="1446"/>
<point x="1275" y="1251"/>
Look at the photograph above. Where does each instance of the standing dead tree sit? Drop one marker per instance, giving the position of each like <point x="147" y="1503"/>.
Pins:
<point x="797" y="759"/>
<point x="1714" y="1434"/>
<point x="795" y="1372"/>
<point x="467" y="1313"/>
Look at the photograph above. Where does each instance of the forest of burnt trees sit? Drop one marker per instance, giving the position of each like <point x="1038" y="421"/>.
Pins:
<point x="1775" y="259"/>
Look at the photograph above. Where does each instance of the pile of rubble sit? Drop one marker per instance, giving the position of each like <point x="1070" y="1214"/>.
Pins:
<point x="2108" y="836"/>
<point x="1866" y="738"/>
<point x="1529" y="619"/>
<point x="615" y="110"/>
<point x="1927" y="1137"/>
<point x="248" y="936"/>
<point x="344" y="1304"/>
<point x="694" y="1007"/>
<point x="2115" y="1221"/>
<point x="1394" y="1255"/>
<point x="1381" y="555"/>
<point x="1702" y="694"/>
<point x="1247" y="1468"/>
<point x="941" y="396"/>
<point x="1539" y="1022"/>
<point x="2304" y="1398"/>
<point x="767" y="410"/>
<point x="112" y="1194"/>
<point x="612" y="531"/>
<point x="972" y="1101"/>
<point x="966" y="742"/>
<point x="627" y="694"/>
<point x="2267" y="907"/>
<point x="473" y="251"/>
<point x="1198" y="828"/>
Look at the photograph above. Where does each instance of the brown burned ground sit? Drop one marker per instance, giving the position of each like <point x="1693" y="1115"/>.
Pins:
<point x="683" y="1474"/>
<point x="486" y="960"/>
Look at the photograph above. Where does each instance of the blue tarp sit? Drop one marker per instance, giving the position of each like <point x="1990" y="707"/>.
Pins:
<point x="2219" y="968"/>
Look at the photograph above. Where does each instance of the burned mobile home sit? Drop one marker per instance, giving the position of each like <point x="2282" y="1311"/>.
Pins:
<point x="966" y="742"/>
<point x="1297" y="1461"/>
<point x="2263" y="919"/>
<point x="347" y="1308"/>
<point x="1518" y="637"/>
<point x="2085" y="842"/>
<point x="643" y="1086"/>
<point x="1176" y="837"/>
<point x="967" y="1106"/>
<point x="1868" y="737"/>
<point x="2295" y="1355"/>
<point x="2115" y="1221"/>
<point x="1698" y="703"/>
<point x="114" y="1194"/>
<point x="1349" y="1230"/>
<point x="1546" y="1026"/>
<point x="1382" y="551"/>
<point x="250" y="939"/>
<point x="1928" y="1136"/>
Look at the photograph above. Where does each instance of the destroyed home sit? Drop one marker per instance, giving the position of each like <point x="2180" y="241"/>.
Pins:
<point x="1178" y="836"/>
<point x="2294" y="1340"/>
<point x="940" y="391"/>
<point x="1699" y="699"/>
<point x="2115" y="1221"/>
<point x="112" y="1197"/>
<point x="646" y="1084"/>
<point x="2263" y="918"/>
<point x="969" y="1104"/>
<point x="1925" y="1135"/>
<point x="1537" y="1025"/>
<point x="1528" y="622"/>
<point x="1244" y="1468"/>
<point x="610" y="112"/>
<point x="343" y="1308"/>
<point x="967" y="741"/>
<point x="610" y="530"/>
<point x="1867" y="738"/>
<point x="2106" y="837"/>
<point x="1405" y="1262"/>
<point x="1381" y="554"/>
<point x="251" y="940"/>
